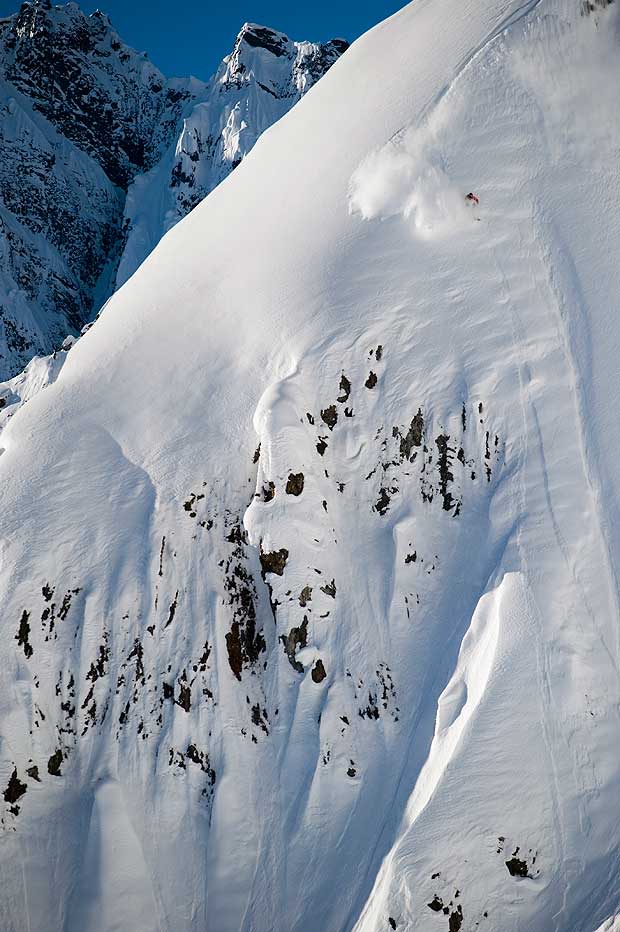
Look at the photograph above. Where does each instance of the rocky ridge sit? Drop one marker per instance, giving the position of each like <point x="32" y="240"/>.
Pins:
<point x="101" y="154"/>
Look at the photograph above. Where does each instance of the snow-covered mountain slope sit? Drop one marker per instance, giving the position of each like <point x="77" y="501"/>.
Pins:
<point x="261" y="79"/>
<point x="309" y="563"/>
<point x="83" y="117"/>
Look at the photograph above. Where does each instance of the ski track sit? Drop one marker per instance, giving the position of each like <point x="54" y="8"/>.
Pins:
<point x="545" y="306"/>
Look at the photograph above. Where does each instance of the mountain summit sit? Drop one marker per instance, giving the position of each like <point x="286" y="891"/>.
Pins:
<point x="309" y="557"/>
<point x="83" y="119"/>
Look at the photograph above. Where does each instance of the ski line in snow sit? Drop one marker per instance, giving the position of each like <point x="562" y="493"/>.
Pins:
<point x="516" y="16"/>
<point x="590" y="470"/>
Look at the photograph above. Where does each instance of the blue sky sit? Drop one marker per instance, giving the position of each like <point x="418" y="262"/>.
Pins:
<point x="191" y="36"/>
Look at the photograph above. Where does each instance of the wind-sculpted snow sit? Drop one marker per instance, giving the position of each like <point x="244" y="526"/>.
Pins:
<point x="308" y="569"/>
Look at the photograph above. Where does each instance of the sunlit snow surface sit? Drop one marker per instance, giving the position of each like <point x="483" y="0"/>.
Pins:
<point x="365" y="676"/>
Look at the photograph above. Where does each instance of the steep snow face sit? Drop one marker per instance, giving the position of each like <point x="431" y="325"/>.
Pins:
<point x="38" y="374"/>
<point x="253" y="88"/>
<point x="84" y="117"/>
<point x="308" y="565"/>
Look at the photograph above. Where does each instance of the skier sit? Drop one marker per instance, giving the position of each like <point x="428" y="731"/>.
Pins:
<point x="472" y="198"/>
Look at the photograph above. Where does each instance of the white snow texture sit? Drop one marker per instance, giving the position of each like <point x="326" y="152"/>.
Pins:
<point x="309" y="557"/>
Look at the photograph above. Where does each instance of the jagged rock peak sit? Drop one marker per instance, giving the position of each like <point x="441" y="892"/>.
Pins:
<point x="262" y="37"/>
<point x="104" y="96"/>
<point x="278" y="43"/>
<point x="280" y="65"/>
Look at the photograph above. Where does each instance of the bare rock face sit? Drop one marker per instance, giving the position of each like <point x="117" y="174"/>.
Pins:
<point x="104" y="97"/>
